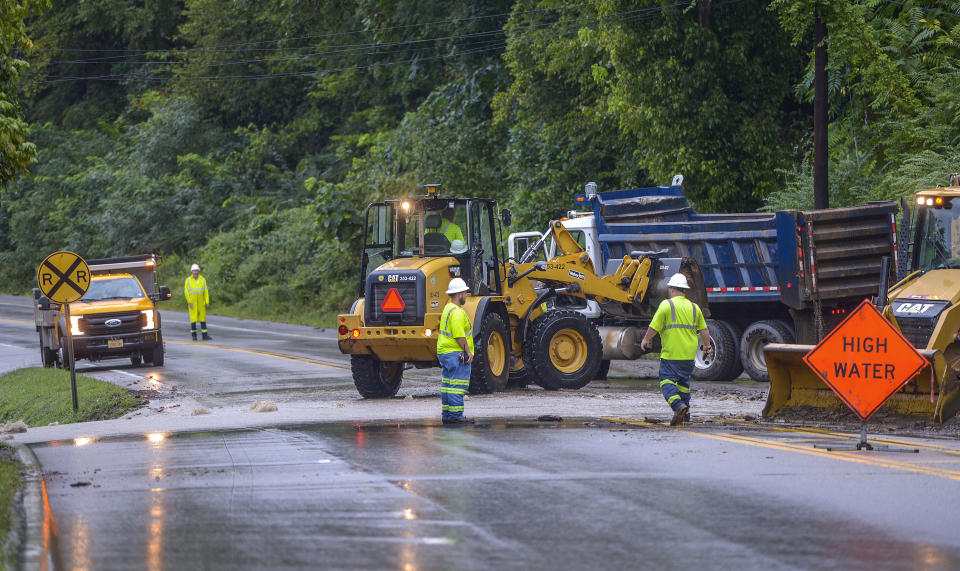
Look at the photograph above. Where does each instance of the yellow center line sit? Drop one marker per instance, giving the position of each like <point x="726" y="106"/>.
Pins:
<point x="821" y="432"/>
<point x="855" y="457"/>
<point x="17" y="321"/>
<point x="285" y="357"/>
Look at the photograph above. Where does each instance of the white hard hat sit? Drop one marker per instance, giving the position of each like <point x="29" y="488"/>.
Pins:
<point x="458" y="247"/>
<point x="678" y="281"/>
<point x="457" y="285"/>
<point x="195" y="267"/>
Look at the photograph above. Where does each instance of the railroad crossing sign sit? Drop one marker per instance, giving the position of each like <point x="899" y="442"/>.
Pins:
<point x="63" y="277"/>
<point x="865" y="360"/>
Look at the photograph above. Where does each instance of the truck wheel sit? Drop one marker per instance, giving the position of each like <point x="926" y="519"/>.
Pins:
<point x="491" y="370"/>
<point x="563" y="351"/>
<point x="376" y="379"/>
<point x="755" y="338"/>
<point x="603" y="371"/>
<point x="47" y="356"/>
<point x="725" y="364"/>
<point x="519" y="379"/>
<point x="136" y="360"/>
<point x="63" y="359"/>
<point x="157" y="358"/>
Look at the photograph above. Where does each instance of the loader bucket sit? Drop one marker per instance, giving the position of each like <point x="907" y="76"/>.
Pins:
<point x="794" y="387"/>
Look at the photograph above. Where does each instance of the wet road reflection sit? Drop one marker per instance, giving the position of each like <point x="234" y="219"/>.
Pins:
<point x="504" y="496"/>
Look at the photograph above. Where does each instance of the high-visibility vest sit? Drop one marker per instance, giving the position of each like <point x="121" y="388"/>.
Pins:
<point x="453" y="323"/>
<point x="194" y="288"/>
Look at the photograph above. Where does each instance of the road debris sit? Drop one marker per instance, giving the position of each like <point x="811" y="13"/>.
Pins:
<point x="264" y="406"/>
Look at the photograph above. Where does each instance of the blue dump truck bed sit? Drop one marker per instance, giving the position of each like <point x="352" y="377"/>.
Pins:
<point x="789" y="257"/>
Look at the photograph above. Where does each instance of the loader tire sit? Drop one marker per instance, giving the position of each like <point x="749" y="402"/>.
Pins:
<point x="563" y="350"/>
<point x="376" y="379"/>
<point x="520" y="378"/>
<point x="63" y="358"/>
<point x="725" y="364"/>
<point x="755" y="338"/>
<point x="491" y="356"/>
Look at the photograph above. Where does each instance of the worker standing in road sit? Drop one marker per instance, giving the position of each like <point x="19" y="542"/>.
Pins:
<point x="455" y="352"/>
<point x="198" y="300"/>
<point x="678" y="321"/>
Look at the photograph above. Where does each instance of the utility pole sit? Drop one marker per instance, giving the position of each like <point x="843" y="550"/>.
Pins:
<point x="821" y="198"/>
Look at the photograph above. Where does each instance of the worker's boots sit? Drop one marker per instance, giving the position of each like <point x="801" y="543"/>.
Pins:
<point x="193" y="336"/>
<point x="206" y="337"/>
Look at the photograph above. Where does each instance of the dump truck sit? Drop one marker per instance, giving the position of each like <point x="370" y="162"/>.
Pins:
<point x="924" y="306"/>
<point x="407" y="262"/>
<point x="778" y="277"/>
<point x="116" y="318"/>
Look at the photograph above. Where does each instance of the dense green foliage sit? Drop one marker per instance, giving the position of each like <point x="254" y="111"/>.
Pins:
<point x="248" y="136"/>
<point x="39" y="396"/>
<point x="9" y="483"/>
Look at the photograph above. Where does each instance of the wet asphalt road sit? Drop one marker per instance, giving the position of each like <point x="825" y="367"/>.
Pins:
<point x="585" y="494"/>
<point x="494" y="497"/>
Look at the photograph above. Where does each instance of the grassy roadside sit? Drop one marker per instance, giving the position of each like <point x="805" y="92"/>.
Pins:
<point x="9" y="482"/>
<point x="41" y="396"/>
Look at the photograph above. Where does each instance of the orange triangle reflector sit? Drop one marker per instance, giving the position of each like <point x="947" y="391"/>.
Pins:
<point x="393" y="303"/>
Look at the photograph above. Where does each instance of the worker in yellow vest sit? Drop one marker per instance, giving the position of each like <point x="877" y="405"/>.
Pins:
<point x="448" y="227"/>
<point x="455" y="353"/>
<point x="198" y="300"/>
<point x="680" y="324"/>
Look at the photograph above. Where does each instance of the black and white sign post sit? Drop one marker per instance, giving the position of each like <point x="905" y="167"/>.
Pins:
<point x="64" y="277"/>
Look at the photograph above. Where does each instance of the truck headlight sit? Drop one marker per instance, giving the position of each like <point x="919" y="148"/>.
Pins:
<point x="75" y="325"/>
<point x="150" y="321"/>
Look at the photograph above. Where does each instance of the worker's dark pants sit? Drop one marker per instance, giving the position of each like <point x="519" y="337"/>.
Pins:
<point x="203" y="328"/>
<point x="675" y="382"/>
<point x="454" y="382"/>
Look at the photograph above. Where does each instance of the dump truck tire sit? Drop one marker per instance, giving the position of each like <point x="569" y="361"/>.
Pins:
<point x="725" y="364"/>
<point x="157" y="354"/>
<point x="376" y="379"/>
<point x="563" y="351"/>
<point x="136" y="360"/>
<point x="47" y="356"/>
<point x="757" y="336"/>
<point x="491" y="358"/>
<point x="603" y="371"/>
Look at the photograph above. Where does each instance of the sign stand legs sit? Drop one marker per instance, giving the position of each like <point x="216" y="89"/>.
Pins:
<point x="863" y="444"/>
<point x="845" y="446"/>
<point x="73" y="371"/>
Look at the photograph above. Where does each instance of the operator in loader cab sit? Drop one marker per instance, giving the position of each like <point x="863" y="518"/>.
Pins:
<point x="448" y="227"/>
<point x="455" y="353"/>
<point x="678" y="321"/>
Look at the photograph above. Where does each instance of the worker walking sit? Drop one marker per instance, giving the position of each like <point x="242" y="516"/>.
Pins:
<point x="198" y="300"/>
<point x="678" y="321"/>
<point x="455" y="352"/>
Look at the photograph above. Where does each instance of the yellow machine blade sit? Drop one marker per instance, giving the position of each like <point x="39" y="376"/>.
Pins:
<point x="795" y="387"/>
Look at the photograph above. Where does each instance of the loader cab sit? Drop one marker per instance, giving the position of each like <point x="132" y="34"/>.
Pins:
<point x="466" y="229"/>
<point x="936" y="239"/>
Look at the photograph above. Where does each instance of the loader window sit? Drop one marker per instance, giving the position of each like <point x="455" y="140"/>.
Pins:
<point x="483" y="249"/>
<point x="939" y="239"/>
<point x="377" y="240"/>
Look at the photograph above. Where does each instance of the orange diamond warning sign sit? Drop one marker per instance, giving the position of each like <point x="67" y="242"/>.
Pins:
<point x="865" y="360"/>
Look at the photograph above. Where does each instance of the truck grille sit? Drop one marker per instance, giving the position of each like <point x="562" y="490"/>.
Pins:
<point x="95" y="324"/>
<point x="917" y="330"/>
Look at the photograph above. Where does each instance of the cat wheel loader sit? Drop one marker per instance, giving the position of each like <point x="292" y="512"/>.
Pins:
<point x="413" y="247"/>
<point x="924" y="305"/>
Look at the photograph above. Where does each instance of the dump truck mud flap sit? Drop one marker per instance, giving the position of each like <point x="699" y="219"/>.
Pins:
<point x="794" y="387"/>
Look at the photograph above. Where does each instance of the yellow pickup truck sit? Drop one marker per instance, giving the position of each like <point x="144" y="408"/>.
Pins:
<point x="116" y="318"/>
